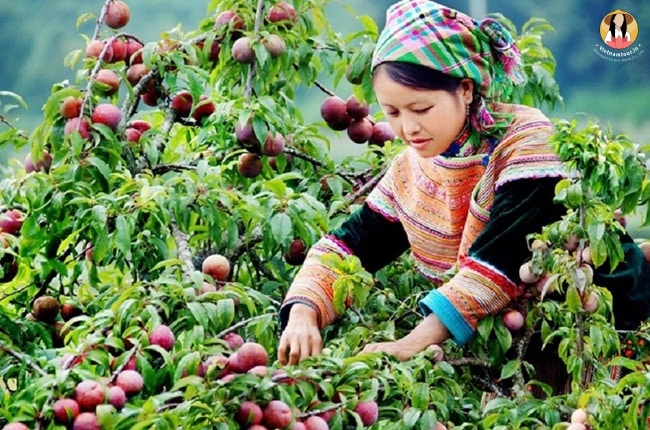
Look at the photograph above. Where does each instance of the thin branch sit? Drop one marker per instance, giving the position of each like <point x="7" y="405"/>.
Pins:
<point x="119" y="368"/>
<point x="100" y="19"/>
<point x="129" y="106"/>
<point x="368" y="186"/>
<point x="184" y="252"/>
<point x="242" y="247"/>
<point x="98" y="65"/>
<point x="164" y="168"/>
<point x="243" y="323"/>
<point x="470" y="361"/>
<point x="248" y="89"/>
<point x="165" y="128"/>
<point x="317" y="163"/>
<point x="324" y="89"/>
<point x="5" y="121"/>
<point x="23" y="358"/>
<point x="314" y="412"/>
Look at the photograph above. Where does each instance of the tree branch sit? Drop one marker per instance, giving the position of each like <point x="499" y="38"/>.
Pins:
<point x="164" y="168"/>
<point x="23" y="358"/>
<point x="368" y="186"/>
<point x="244" y="323"/>
<point x="184" y="252"/>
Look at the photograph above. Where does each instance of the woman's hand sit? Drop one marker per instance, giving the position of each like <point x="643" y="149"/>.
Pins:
<point x="399" y="348"/>
<point x="301" y="337"/>
<point x="430" y="331"/>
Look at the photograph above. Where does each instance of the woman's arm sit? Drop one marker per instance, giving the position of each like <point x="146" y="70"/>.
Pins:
<point x="308" y="305"/>
<point x="487" y="280"/>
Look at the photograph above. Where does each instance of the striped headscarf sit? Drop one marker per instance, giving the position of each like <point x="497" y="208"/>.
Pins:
<point x="427" y="33"/>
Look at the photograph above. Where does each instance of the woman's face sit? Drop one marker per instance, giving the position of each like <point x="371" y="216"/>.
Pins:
<point x="426" y="120"/>
<point x="619" y="19"/>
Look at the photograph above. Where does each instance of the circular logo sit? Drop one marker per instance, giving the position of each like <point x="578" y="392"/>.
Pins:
<point x="619" y="29"/>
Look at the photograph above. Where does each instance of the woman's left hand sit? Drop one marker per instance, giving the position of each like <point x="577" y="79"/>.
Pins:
<point x="396" y="348"/>
<point x="430" y="331"/>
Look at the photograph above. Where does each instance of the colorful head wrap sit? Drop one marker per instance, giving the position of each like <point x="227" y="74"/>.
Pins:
<point x="427" y="33"/>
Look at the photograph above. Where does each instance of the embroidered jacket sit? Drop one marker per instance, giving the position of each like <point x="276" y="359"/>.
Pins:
<point x="466" y="216"/>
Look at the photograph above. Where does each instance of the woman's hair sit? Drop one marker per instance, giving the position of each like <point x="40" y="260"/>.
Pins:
<point x="417" y="76"/>
<point x="612" y="26"/>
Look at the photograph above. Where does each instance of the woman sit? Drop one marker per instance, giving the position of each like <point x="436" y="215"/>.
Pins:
<point x="617" y="36"/>
<point x="476" y="178"/>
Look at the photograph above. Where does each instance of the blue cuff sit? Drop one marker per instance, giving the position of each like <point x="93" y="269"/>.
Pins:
<point x="438" y="304"/>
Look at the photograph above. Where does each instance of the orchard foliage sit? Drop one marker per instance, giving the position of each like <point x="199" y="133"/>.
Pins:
<point x="169" y="196"/>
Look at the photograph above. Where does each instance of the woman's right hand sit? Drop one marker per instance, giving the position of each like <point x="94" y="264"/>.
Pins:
<point x="301" y="337"/>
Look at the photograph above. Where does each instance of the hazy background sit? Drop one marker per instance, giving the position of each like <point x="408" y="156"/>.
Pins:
<point x="36" y="35"/>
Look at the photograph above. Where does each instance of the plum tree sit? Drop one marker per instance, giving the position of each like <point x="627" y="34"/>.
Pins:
<point x="146" y="188"/>
<point x="368" y="412"/>
<point x="117" y="396"/>
<point x="242" y="50"/>
<point x="282" y="12"/>
<point x="182" y="103"/>
<point x="107" y="82"/>
<point x="249" y="355"/>
<point x="107" y="114"/>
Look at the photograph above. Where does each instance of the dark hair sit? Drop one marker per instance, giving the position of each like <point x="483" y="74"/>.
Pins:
<point x="417" y="76"/>
<point x="612" y="26"/>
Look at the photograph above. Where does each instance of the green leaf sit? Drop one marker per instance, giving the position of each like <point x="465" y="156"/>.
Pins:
<point x="420" y="396"/>
<point x="340" y="288"/>
<point x="510" y="369"/>
<point x="485" y="327"/>
<point x="411" y="417"/>
<point x="122" y="235"/>
<point x="573" y="299"/>
<point x="504" y="336"/>
<point x="16" y="97"/>
<point x="199" y="313"/>
<point x="281" y="227"/>
<point x="225" y="313"/>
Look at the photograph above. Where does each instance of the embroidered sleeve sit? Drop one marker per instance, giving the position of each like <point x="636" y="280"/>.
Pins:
<point x="525" y="153"/>
<point x="365" y="234"/>
<point x="312" y="285"/>
<point x="382" y="198"/>
<point x="477" y="290"/>
<point x="487" y="280"/>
